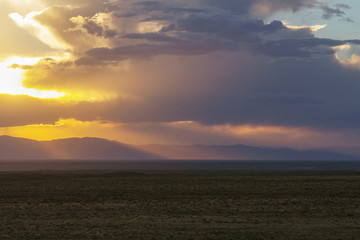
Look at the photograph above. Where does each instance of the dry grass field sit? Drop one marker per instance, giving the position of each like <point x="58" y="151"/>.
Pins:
<point x="180" y="205"/>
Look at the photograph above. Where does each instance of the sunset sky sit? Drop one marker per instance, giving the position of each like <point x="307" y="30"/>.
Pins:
<point x="274" y="73"/>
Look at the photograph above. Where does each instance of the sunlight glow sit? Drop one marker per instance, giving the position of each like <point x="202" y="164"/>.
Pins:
<point x="65" y="128"/>
<point x="149" y="27"/>
<point x="40" y="31"/>
<point x="345" y="56"/>
<point x="88" y="96"/>
<point x="313" y="28"/>
<point x="24" y="2"/>
<point x="351" y="62"/>
<point x="11" y="78"/>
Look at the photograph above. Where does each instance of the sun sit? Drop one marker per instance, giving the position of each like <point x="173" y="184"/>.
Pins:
<point x="11" y="79"/>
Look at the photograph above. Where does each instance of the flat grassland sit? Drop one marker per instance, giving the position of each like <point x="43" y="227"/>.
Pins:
<point x="180" y="205"/>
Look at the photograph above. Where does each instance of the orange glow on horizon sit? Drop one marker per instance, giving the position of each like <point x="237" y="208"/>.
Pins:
<point x="168" y="133"/>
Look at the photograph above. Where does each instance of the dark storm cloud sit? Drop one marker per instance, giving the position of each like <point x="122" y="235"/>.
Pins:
<point x="312" y="92"/>
<point x="186" y="26"/>
<point x="196" y="35"/>
<point x="166" y="7"/>
<point x="244" y="6"/>
<point x="337" y="11"/>
<point x="299" y="93"/>
<point x="300" y="47"/>
<point x="317" y="93"/>
<point x="147" y="51"/>
<point x="156" y="37"/>
<point x="194" y="31"/>
<point x="152" y="10"/>
<point x="285" y="98"/>
<point x="229" y="27"/>
<point x="95" y="29"/>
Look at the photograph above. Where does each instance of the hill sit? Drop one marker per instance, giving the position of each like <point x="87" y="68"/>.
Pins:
<point x="97" y="148"/>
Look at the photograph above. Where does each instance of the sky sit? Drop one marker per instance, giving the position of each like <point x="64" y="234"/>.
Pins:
<point x="270" y="73"/>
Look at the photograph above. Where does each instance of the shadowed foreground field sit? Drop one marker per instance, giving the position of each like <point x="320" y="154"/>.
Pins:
<point x="179" y="205"/>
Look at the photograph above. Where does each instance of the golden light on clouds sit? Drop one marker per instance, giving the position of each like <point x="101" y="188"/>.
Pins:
<point x="345" y="57"/>
<point x="29" y="23"/>
<point x="352" y="62"/>
<point x="313" y="28"/>
<point x="88" y="96"/>
<point x="249" y="131"/>
<point x="148" y="27"/>
<point x="25" y="2"/>
<point x="99" y="18"/>
<point x="11" y="79"/>
<point x="342" y="47"/>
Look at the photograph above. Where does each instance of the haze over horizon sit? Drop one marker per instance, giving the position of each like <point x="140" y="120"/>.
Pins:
<point x="262" y="73"/>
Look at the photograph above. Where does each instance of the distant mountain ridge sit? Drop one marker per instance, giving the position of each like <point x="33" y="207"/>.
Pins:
<point x="354" y="151"/>
<point x="241" y="152"/>
<point x="102" y="149"/>
<point x="70" y="148"/>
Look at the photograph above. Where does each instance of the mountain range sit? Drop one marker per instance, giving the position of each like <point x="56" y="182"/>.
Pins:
<point x="101" y="149"/>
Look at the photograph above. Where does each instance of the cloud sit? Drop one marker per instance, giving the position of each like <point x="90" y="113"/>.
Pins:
<point x="265" y="8"/>
<point x="301" y="47"/>
<point x="23" y="67"/>
<point x="229" y="27"/>
<point x="194" y="35"/>
<point x="95" y="25"/>
<point x="232" y="88"/>
<point x="95" y="29"/>
<point x="40" y="31"/>
<point x="261" y="8"/>
<point x="215" y="63"/>
<point x="285" y="98"/>
<point x="337" y="11"/>
<point x="145" y="51"/>
<point x="352" y="62"/>
<point x="289" y="93"/>
<point x="224" y="88"/>
<point x="156" y="37"/>
<point x="185" y="133"/>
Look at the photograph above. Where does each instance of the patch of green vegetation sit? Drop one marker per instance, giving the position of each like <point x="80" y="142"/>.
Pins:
<point x="177" y="205"/>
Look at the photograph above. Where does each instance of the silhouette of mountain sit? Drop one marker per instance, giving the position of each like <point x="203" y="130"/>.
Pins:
<point x="97" y="148"/>
<point x="102" y="149"/>
<point x="240" y="152"/>
<point x="20" y="148"/>
<point x="354" y="151"/>
<point x="71" y="148"/>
